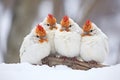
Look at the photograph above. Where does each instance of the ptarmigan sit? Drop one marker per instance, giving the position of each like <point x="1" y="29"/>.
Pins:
<point x="67" y="38"/>
<point x="35" y="46"/>
<point x="50" y="26"/>
<point x="94" y="43"/>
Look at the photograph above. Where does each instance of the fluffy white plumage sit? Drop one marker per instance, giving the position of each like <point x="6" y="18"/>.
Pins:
<point x="32" y="51"/>
<point x="68" y="43"/>
<point x="94" y="47"/>
<point x="50" y="33"/>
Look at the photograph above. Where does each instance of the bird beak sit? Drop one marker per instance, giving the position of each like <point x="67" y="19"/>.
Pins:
<point x="85" y="33"/>
<point x="53" y="26"/>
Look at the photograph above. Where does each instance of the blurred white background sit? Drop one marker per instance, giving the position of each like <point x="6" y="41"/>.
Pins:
<point x="17" y="17"/>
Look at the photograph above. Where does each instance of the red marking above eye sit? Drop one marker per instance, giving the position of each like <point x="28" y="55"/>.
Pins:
<point x="40" y="27"/>
<point x="88" y="22"/>
<point x="65" y="18"/>
<point x="50" y="15"/>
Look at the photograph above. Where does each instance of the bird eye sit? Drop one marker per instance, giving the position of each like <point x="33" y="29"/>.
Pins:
<point x="37" y="36"/>
<point x="70" y="25"/>
<point x="48" y="24"/>
<point x="91" y="30"/>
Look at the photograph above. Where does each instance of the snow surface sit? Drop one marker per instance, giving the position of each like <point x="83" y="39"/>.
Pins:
<point x="27" y="71"/>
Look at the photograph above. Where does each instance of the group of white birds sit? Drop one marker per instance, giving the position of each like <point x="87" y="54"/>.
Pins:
<point x="65" y="39"/>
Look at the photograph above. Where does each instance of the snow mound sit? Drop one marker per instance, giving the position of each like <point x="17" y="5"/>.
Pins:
<point x="27" y="71"/>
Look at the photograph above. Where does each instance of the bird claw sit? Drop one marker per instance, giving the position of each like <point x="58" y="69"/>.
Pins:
<point x="92" y="62"/>
<point x="74" y="59"/>
<point x="63" y="57"/>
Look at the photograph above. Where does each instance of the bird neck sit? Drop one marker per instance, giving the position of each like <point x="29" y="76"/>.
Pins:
<point x="64" y="29"/>
<point x="43" y="39"/>
<point x="52" y="27"/>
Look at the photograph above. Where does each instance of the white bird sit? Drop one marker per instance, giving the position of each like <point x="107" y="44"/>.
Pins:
<point x="35" y="46"/>
<point x="50" y="26"/>
<point x="94" y="43"/>
<point x="67" y="38"/>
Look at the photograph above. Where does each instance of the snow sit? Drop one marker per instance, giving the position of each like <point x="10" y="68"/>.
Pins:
<point x="27" y="71"/>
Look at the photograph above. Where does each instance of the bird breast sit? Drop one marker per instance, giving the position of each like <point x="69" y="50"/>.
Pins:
<point x="93" y="48"/>
<point x="67" y="43"/>
<point x="34" y="53"/>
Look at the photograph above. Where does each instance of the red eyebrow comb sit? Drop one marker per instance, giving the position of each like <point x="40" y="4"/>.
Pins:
<point x="50" y="15"/>
<point x="87" y="22"/>
<point x="40" y="27"/>
<point x="65" y="18"/>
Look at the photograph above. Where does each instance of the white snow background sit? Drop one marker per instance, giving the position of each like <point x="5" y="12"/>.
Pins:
<point x="25" y="71"/>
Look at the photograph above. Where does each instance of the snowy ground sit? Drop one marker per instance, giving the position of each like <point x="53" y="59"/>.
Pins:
<point x="26" y="71"/>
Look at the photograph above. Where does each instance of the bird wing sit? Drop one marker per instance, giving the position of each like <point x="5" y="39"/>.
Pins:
<point x="106" y="44"/>
<point x="22" y="49"/>
<point x="26" y="43"/>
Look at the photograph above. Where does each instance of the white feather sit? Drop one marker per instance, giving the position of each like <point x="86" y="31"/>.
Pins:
<point x="50" y="34"/>
<point x="94" y="47"/>
<point x="68" y="43"/>
<point x="32" y="51"/>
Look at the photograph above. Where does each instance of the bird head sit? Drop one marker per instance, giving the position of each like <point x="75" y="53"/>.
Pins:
<point x="65" y="23"/>
<point x="51" y="21"/>
<point x="89" y="28"/>
<point x="40" y="32"/>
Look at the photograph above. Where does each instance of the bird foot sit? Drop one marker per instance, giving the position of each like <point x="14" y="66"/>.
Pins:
<point x="63" y="57"/>
<point x="74" y="59"/>
<point x="92" y="62"/>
